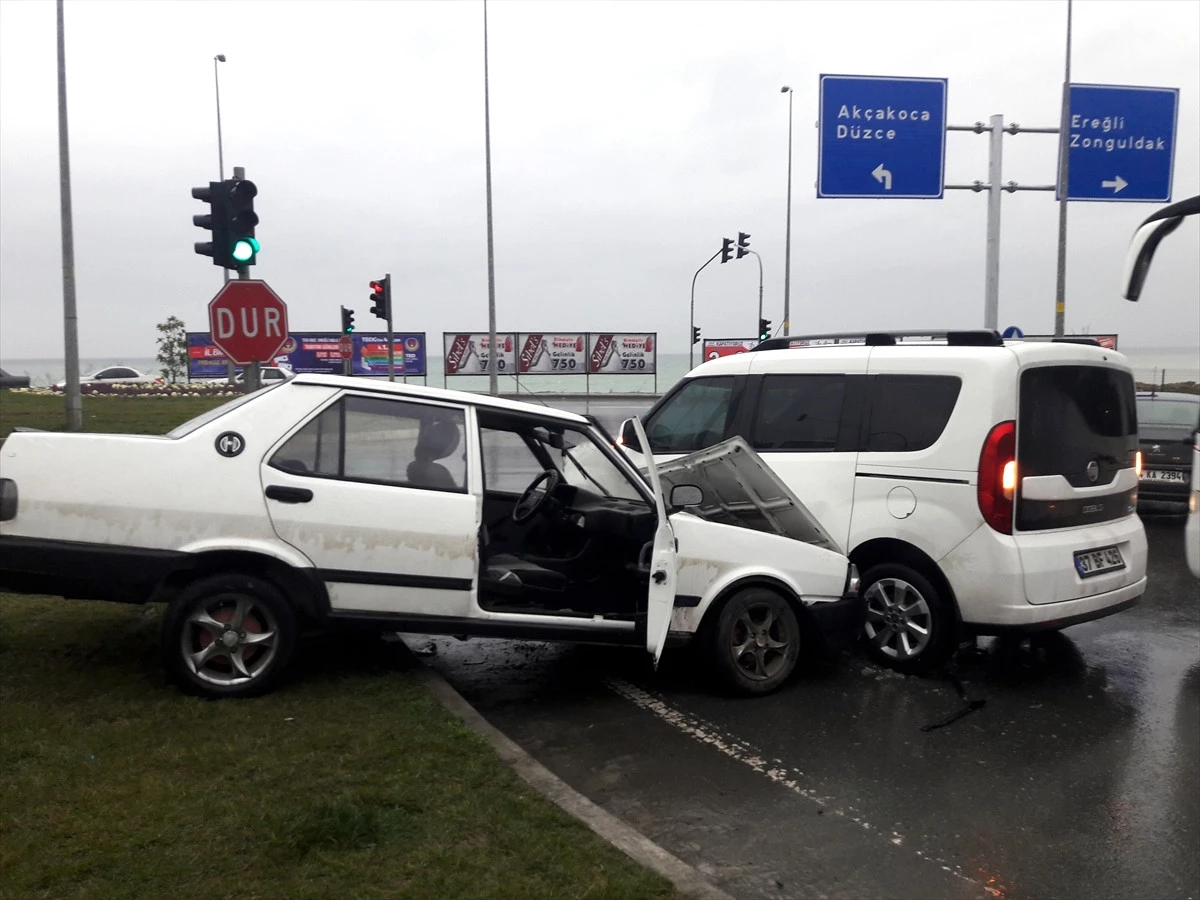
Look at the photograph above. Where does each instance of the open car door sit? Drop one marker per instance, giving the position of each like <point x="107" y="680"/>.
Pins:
<point x="663" y="564"/>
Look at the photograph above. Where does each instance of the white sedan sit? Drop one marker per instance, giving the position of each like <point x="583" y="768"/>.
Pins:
<point x="324" y="500"/>
<point x="115" y="375"/>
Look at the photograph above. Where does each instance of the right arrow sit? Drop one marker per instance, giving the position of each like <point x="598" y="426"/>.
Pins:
<point x="1116" y="185"/>
<point x="883" y="176"/>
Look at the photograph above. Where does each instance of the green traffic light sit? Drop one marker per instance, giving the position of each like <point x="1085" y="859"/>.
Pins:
<point x="245" y="250"/>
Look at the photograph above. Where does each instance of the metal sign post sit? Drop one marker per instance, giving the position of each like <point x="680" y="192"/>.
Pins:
<point x="387" y="299"/>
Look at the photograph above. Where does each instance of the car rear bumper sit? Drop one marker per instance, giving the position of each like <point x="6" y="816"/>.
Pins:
<point x="839" y="621"/>
<point x="1053" y="616"/>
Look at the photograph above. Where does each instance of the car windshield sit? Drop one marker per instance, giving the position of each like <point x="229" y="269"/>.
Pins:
<point x="584" y="465"/>
<point x="204" y="418"/>
<point x="1161" y="411"/>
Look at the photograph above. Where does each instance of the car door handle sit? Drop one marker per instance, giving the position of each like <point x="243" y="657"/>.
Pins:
<point x="288" y="494"/>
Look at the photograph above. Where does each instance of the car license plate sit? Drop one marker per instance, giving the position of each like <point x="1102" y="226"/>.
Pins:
<point x="1095" y="562"/>
<point x="1164" y="475"/>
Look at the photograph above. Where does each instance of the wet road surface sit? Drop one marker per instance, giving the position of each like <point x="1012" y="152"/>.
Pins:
<point x="1078" y="777"/>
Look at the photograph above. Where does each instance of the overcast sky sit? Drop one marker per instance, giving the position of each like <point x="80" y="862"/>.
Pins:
<point x="628" y="138"/>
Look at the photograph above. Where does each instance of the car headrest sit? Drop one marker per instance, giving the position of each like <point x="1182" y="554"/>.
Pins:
<point x="437" y="441"/>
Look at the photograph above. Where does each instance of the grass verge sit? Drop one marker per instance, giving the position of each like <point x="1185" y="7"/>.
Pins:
<point x="105" y="414"/>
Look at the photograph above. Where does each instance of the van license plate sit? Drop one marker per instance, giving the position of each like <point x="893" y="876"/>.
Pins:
<point x="1094" y="562"/>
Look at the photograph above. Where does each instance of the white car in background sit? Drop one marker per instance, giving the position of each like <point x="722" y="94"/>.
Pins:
<point x="115" y="375"/>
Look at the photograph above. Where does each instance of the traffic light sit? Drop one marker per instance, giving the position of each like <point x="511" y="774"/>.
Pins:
<point x="743" y="244"/>
<point x="347" y="320"/>
<point x="764" y="329"/>
<point x="381" y="297"/>
<point x="216" y="221"/>
<point x="239" y="204"/>
<point x="695" y="334"/>
<point x="726" y="250"/>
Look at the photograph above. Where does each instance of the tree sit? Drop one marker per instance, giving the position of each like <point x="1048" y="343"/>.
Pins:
<point x="172" y="348"/>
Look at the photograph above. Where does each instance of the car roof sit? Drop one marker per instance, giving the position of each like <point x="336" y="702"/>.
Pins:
<point x="482" y="401"/>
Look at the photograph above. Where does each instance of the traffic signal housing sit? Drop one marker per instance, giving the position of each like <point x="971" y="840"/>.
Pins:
<point x="743" y="244"/>
<point x="726" y="250"/>
<point x="347" y="321"/>
<point x="239" y="205"/>
<point x="215" y="220"/>
<point x="381" y="297"/>
<point x="695" y="334"/>
<point x="764" y="329"/>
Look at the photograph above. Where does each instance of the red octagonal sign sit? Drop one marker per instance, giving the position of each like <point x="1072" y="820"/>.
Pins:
<point x="248" y="321"/>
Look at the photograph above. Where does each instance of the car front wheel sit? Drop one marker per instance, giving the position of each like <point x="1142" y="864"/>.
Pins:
<point x="228" y="635"/>
<point x="909" y="625"/>
<point x="756" y="641"/>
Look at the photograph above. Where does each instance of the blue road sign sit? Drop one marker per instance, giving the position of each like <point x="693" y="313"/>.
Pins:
<point x="1122" y="143"/>
<point x="882" y="137"/>
<point x="1012" y="331"/>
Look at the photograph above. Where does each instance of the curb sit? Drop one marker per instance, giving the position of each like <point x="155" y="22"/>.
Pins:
<point x="686" y="879"/>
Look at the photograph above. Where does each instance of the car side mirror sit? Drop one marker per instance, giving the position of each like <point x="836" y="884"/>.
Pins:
<point x="629" y="436"/>
<point x="684" y="495"/>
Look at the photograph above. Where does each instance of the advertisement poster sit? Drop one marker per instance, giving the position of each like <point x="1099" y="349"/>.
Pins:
<point x="315" y="352"/>
<point x="553" y="354"/>
<point x="471" y="354"/>
<point x="370" y="354"/>
<point x="719" y="347"/>
<point x="622" y="354"/>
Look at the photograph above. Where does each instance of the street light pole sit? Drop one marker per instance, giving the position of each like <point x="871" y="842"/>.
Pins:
<point x="494" y="356"/>
<point x="1064" y="131"/>
<point x="787" y="250"/>
<point x="692" y="315"/>
<point x="220" y="58"/>
<point x="760" y="286"/>
<point x="70" y="316"/>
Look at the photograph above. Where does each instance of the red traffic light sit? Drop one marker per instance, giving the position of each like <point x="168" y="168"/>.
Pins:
<point x="377" y="287"/>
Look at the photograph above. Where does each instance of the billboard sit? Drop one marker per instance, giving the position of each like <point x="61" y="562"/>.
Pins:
<point x="718" y="347"/>
<point x="317" y="352"/>
<point x="622" y="354"/>
<point x="471" y="354"/>
<point x="552" y="354"/>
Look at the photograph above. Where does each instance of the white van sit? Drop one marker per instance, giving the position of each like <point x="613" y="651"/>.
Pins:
<point x="980" y="485"/>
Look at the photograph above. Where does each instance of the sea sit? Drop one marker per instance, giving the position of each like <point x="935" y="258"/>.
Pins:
<point x="1154" y="365"/>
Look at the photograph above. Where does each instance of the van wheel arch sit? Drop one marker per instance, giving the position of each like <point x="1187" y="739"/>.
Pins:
<point x="889" y="550"/>
<point x="305" y="592"/>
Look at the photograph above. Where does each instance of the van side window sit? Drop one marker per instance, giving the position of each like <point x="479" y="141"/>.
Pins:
<point x="694" y="418"/>
<point x="909" y="412"/>
<point x="798" y="412"/>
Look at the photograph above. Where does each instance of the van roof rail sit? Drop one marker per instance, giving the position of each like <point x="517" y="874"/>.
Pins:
<point x="1091" y="342"/>
<point x="977" y="338"/>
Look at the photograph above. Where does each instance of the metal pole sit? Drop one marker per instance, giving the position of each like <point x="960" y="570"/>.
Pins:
<point x="991" y="293"/>
<point x="760" y="289"/>
<point x="494" y="357"/>
<point x="254" y="370"/>
<point x="1064" y="143"/>
<point x="692" y="319"/>
<point x="387" y="294"/>
<point x="220" y="57"/>
<point x="787" y="250"/>
<point x="70" y="317"/>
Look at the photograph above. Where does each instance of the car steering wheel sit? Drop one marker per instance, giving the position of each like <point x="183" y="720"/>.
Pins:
<point x="533" y="499"/>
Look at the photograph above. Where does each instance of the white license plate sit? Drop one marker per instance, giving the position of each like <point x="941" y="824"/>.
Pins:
<point x="1164" y="475"/>
<point x="1094" y="562"/>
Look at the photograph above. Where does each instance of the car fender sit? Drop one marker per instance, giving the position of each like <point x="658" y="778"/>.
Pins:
<point x="275" y="549"/>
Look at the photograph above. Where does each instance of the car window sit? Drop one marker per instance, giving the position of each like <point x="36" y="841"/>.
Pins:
<point x="693" y="418"/>
<point x="910" y="412"/>
<point x="508" y="463"/>
<point x="1157" y="411"/>
<point x="586" y="466"/>
<point x="122" y="373"/>
<point x="107" y="373"/>
<point x="383" y="441"/>
<point x="798" y="412"/>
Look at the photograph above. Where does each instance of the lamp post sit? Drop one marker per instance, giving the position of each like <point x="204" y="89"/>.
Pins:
<point x="692" y="315"/>
<point x="220" y="58"/>
<point x="494" y="356"/>
<point x="787" y="250"/>
<point x="760" y="286"/>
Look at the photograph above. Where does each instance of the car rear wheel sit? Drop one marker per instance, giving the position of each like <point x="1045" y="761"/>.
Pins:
<point x="228" y="635"/>
<point x="756" y="641"/>
<point x="909" y="625"/>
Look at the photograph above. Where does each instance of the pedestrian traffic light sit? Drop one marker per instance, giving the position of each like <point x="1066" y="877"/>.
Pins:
<point x="381" y="297"/>
<point x="726" y="250"/>
<point x="695" y="334"/>
<point x="239" y="204"/>
<point x="347" y="320"/>
<point x="743" y="244"/>
<point x="215" y="220"/>
<point x="764" y="329"/>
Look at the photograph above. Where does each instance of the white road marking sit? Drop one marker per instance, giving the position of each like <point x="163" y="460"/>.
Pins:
<point x="735" y="748"/>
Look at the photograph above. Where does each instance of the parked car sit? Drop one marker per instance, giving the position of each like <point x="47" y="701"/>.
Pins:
<point x="981" y="486"/>
<point x="114" y="375"/>
<point x="1191" y="533"/>
<point x="13" y="381"/>
<point x="323" y="500"/>
<point x="268" y="374"/>
<point x="1167" y="423"/>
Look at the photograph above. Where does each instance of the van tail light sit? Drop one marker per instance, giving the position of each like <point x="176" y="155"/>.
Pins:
<point x="998" y="477"/>
<point x="1137" y="464"/>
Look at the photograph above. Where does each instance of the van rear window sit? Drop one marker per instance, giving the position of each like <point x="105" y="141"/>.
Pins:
<point x="1073" y="415"/>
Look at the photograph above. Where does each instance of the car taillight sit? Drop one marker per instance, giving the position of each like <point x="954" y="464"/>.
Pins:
<point x="1137" y="464"/>
<point x="998" y="477"/>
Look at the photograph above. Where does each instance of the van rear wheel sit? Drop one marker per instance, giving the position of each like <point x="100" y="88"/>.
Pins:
<point x="909" y="625"/>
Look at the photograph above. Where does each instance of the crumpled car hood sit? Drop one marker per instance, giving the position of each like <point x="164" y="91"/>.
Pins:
<point x="740" y="489"/>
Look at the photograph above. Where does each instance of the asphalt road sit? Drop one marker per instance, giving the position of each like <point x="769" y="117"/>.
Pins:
<point x="1078" y="777"/>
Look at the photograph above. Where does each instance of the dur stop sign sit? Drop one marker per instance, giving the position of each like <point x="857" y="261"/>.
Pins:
<point x="248" y="321"/>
